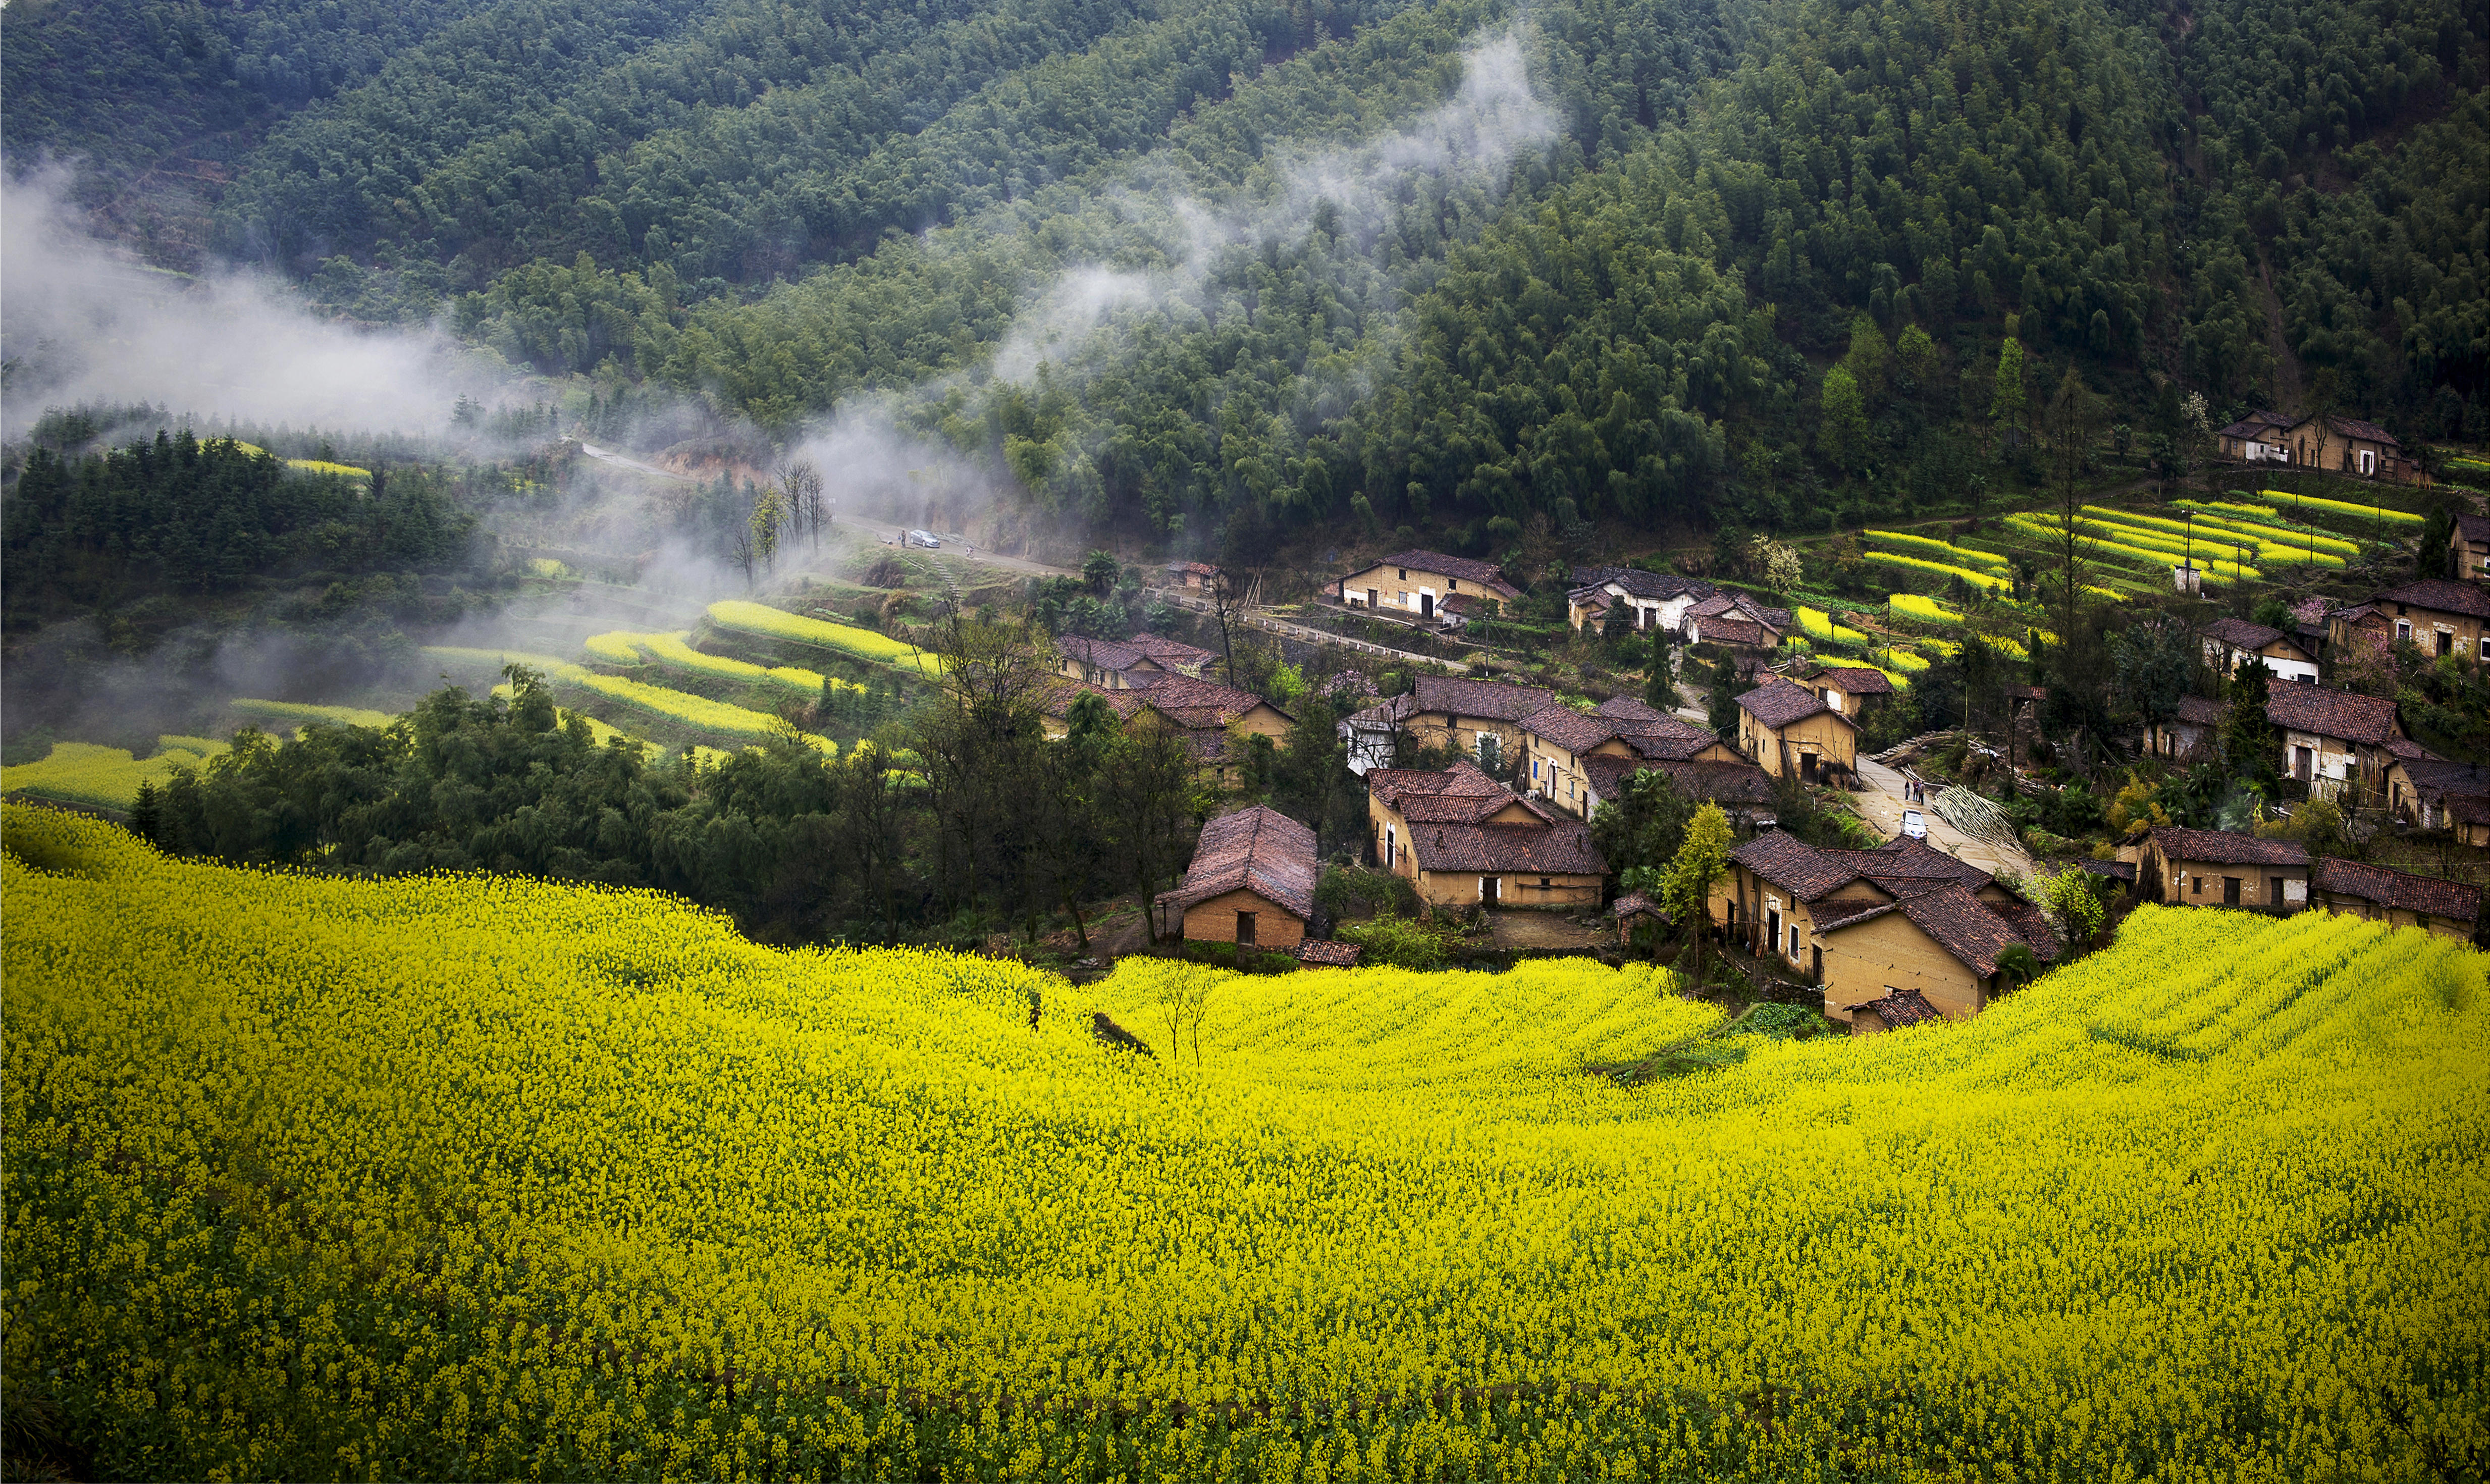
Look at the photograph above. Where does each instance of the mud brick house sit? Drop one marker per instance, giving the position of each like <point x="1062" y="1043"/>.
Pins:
<point x="1467" y="840"/>
<point x="2195" y="724"/>
<point x="2336" y="742"/>
<point x="2396" y="898"/>
<point x="2338" y="444"/>
<point x="1562" y="748"/>
<point x="1251" y="883"/>
<point x="1849" y="689"/>
<point x="1897" y="1010"/>
<point x="1444" y="711"/>
<point x="1653" y="600"/>
<point x="1868" y="925"/>
<point x="2441" y="617"/>
<point x="2259" y="438"/>
<point x="1786" y="730"/>
<point x="1191" y="576"/>
<point x="2429" y="791"/>
<point x="2230" y="643"/>
<point x="1127" y="664"/>
<point x="1416" y="584"/>
<point x="1207" y="713"/>
<point x="2470" y="542"/>
<point x="1737" y="622"/>
<point x="2221" y="868"/>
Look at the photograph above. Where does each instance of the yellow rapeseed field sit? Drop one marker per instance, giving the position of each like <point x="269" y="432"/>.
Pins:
<point x="493" y="1179"/>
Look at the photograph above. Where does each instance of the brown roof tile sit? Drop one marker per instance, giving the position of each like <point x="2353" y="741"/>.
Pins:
<point x="1559" y="847"/>
<point x="1105" y="653"/>
<point x="2240" y="634"/>
<point x="1900" y="1009"/>
<point x="2439" y="595"/>
<point x="1778" y="703"/>
<point x="1485" y="574"/>
<point x="1325" y="953"/>
<point x="1790" y="863"/>
<point x="2196" y="711"/>
<point x="2439" y="778"/>
<point x="1641" y="583"/>
<point x="2337" y="713"/>
<point x="1256" y="849"/>
<point x="1567" y="728"/>
<point x="1173" y="652"/>
<point x="1488" y="700"/>
<point x="2399" y="889"/>
<point x="1966" y="927"/>
<point x="2470" y="527"/>
<point x="1851" y="680"/>
<point x="2226" y="847"/>
<point x="1736" y="631"/>
<point x="2359" y="427"/>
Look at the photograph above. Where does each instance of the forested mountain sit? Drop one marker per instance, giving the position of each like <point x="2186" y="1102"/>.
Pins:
<point x="1445" y="265"/>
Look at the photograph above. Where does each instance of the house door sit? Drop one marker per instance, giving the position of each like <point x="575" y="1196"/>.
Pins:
<point x="1426" y="605"/>
<point x="2445" y="642"/>
<point x="1815" y="962"/>
<point x="2230" y="891"/>
<point x="1371" y="597"/>
<point x="1244" y="929"/>
<point x="1807" y="767"/>
<point x="1773" y="926"/>
<point x="1491" y="889"/>
<point x="2274" y="892"/>
<point x="2300" y="761"/>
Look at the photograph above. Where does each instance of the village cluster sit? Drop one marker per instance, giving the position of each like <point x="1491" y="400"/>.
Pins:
<point x="1890" y="936"/>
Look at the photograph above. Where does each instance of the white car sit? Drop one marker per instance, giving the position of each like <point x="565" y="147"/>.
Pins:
<point x="925" y="538"/>
<point x="1915" y="825"/>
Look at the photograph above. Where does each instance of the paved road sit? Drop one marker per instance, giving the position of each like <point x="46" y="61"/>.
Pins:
<point x="1879" y="803"/>
<point x="952" y="547"/>
<point x="1309" y="635"/>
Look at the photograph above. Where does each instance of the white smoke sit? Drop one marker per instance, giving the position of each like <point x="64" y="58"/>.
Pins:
<point x="83" y="322"/>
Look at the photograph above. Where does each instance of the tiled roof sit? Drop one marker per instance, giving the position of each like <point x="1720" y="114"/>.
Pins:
<point x="1559" y="847"/>
<point x="2256" y="424"/>
<point x="1632" y="709"/>
<point x="1567" y="728"/>
<point x="1256" y="849"/>
<point x="1671" y="740"/>
<point x="1966" y="927"/>
<point x="2440" y="595"/>
<point x="2354" y="428"/>
<point x="1842" y="911"/>
<point x="2226" y="847"/>
<point x="2410" y="751"/>
<point x="1899" y="1008"/>
<point x="1790" y="863"/>
<point x="2470" y="527"/>
<point x="1105" y="653"/>
<point x="1461" y="794"/>
<point x="1194" y="568"/>
<point x="1643" y="584"/>
<point x="1487" y="700"/>
<point x="1199" y="703"/>
<point x="1777" y="703"/>
<point x="1385" y="716"/>
<point x="1744" y="631"/>
<point x="1325" y="953"/>
<point x="2337" y="713"/>
<point x="2469" y="808"/>
<point x="2031" y="924"/>
<point x="1634" y="903"/>
<point x="2240" y="634"/>
<point x="1851" y="680"/>
<point x="2399" y="889"/>
<point x="2196" y="711"/>
<point x="1171" y="651"/>
<point x="2115" y="870"/>
<point x="1485" y="574"/>
<point x="2439" y="778"/>
<point x="1906" y="856"/>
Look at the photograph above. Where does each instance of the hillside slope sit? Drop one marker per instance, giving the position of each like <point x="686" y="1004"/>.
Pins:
<point x="461" y="1175"/>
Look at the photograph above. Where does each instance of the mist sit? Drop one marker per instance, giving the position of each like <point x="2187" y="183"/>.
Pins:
<point x="83" y="322"/>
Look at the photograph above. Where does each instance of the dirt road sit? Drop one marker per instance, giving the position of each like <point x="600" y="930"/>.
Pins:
<point x="1879" y="801"/>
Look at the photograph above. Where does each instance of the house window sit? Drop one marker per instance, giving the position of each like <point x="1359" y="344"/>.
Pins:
<point x="1405" y="574"/>
<point x="1793" y="943"/>
<point x="2403" y="631"/>
<point x="1391" y="849"/>
<point x="2196" y="885"/>
<point x="1244" y="929"/>
<point x="1534" y="770"/>
<point x="1545" y="883"/>
<point x="1452" y="584"/>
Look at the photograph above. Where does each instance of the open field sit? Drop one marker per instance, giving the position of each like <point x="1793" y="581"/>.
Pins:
<point x="577" y="1183"/>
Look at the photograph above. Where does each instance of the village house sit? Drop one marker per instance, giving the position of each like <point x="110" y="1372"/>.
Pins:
<point x="2335" y="741"/>
<point x="2440" y="615"/>
<point x="1867" y="925"/>
<point x="1127" y="664"/>
<point x="2396" y="898"/>
<point x="2338" y="444"/>
<point x="1897" y="1010"/>
<point x="2230" y="643"/>
<point x="1418" y="583"/>
<point x="1654" y="600"/>
<point x="1191" y="576"/>
<point x="1251" y="883"/>
<point x="1207" y="714"/>
<point x="2470" y="542"/>
<point x="1462" y="715"/>
<point x="1849" y="689"/>
<point x="2193" y="726"/>
<point x="2221" y="868"/>
<point x="2430" y="793"/>
<point x="1559" y="745"/>
<point x="1467" y="840"/>
<point x="1786" y="730"/>
<point x="2259" y="438"/>
<point x="1735" y="620"/>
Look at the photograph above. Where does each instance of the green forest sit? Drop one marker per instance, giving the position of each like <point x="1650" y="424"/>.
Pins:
<point x="1443" y="267"/>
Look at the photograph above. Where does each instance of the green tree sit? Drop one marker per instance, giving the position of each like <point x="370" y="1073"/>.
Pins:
<point x="1841" y="435"/>
<point x="1685" y="893"/>
<point x="2006" y="400"/>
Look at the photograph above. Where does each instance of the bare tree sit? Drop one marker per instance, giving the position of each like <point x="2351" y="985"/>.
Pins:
<point x="747" y="555"/>
<point x="1226" y="607"/>
<point x="799" y="483"/>
<point x="2073" y="424"/>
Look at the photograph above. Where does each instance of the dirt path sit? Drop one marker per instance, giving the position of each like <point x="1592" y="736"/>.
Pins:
<point x="1880" y="804"/>
<point x="1545" y="931"/>
<point x="1305" y="634"/>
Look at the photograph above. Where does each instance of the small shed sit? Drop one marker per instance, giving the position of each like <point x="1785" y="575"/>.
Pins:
<point x="1897" y="1010"/>
<point x="1252" y="883"/>
<point x="1632" y="911"/>
<point x="1328" y="953"/>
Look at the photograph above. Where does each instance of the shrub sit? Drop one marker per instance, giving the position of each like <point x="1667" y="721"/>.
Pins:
<point x="1401" y="942"/>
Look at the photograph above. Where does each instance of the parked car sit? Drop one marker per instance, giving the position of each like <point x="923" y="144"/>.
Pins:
<point x="925" y="538"/>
